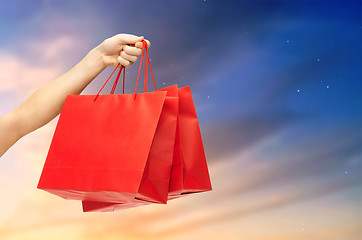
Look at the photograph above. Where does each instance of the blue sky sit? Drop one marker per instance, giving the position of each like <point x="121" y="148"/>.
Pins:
<point x="277" y="89"/>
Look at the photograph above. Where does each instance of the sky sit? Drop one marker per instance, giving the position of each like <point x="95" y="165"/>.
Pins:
<point x="277" y="90"/>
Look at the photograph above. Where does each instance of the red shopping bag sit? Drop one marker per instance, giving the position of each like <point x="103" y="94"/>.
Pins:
<point x="189" y="172"/>
<point x="101" y="148"/>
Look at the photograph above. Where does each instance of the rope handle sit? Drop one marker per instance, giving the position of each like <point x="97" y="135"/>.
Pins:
<point x="146" y="62"/>
<point x="115" y="82"/>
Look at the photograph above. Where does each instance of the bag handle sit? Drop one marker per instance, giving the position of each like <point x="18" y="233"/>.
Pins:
<point x="146" y="62"/>
<point x="117" y="78"/>
<point x="115" y="82"/>
<point x="149" y="63"/>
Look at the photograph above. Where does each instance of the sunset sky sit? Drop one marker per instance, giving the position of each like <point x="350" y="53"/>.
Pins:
<point x="277" y="89"/>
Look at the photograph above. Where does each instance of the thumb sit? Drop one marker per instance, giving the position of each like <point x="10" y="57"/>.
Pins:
<point x="130" y="39"/>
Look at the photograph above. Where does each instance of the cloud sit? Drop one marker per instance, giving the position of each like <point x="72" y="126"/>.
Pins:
<point x="235" y="212"/>
<point x="42" y="59"/>
<point x="17" y="77"/>
<point x="58" y="50"/>
<point x="288" y="156"/>
<point x="254" y="171"/>
<point x="224" y="138"/>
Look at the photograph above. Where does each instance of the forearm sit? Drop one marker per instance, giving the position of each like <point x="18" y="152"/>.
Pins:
<point x="46" y="103"/>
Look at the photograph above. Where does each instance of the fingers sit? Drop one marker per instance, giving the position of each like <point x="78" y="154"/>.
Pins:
<point x="148" y="43"/>
<point x="128" y="57"/>
<point x="139" y="44"/>
<point x="124" y="62"/>
<point x="129" y="38"/>
<point x="133" y="51"/>
<point x="129" y="53"/>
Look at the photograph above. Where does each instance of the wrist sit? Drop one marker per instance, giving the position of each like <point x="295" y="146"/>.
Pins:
<point x="96" y="59"/>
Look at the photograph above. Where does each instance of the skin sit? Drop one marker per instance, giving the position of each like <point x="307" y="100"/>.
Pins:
<point x="46" y="103"/>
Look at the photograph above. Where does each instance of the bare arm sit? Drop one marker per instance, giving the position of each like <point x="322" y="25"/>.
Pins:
<point x="46" y="103"/>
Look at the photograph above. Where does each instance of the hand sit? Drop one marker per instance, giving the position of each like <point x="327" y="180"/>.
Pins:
<point x="121" y="48"/>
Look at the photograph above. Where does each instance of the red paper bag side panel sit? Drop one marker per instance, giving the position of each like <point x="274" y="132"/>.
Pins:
<point x="196" y="174"/>
<point x="156" y="177"/>
<point x="176" y="178"/>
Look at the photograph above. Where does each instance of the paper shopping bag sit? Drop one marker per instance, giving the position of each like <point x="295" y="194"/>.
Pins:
<point x="100" y="148"/>
<point x="189" y="172"/>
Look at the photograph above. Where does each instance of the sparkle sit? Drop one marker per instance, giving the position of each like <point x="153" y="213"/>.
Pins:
<point x="327" y="86"/>
<point x="208" y="96"/>
<point x="318" y="59"/>
<point x="298" y="90"/>
<point x="163" y="83"/>
<point x="346" y="172"/>
<point x="287" y="41"/>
